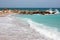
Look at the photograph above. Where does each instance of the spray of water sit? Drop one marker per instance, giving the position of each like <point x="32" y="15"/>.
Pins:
<point x="57" y="11"/>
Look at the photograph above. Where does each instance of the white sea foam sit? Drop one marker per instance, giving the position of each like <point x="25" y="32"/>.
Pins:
<point x="45" y="30"/>
<point x="57" y="11"/>
<point x="48" y="32"/>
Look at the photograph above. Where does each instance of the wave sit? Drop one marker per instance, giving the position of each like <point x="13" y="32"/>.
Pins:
<point x="56" y="10"/>
<point x="47" y="31"/>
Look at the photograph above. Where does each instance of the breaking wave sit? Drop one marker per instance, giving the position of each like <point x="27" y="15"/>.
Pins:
<point x="47" y="31"/>
<point x="52" y="33"/>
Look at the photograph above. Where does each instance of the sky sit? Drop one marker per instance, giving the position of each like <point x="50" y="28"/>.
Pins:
<point x="30" y="3"/>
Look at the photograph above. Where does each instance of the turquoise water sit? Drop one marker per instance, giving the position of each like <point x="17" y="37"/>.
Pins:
<point x="48" y="25"/>
<point x="48" y="20"/>
<point x="52" y="21"/>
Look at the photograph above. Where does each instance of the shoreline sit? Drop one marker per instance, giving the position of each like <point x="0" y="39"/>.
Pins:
<point x="33" y="30"/>
<point x="22" y="32"/>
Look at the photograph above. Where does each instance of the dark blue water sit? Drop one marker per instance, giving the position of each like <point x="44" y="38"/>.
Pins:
<point x="31" y="8"/>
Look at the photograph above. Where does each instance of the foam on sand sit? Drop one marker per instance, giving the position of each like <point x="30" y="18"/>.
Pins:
<point x="47" y="31"/>
<point x="14" y="28"/>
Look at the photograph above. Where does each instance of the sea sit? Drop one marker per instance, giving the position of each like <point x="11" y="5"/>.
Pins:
<point x="48" y="25"/>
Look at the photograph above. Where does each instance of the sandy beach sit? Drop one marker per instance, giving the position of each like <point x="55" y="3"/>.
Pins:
<point x="14" y="29"/>
<point x="29" y="19"/>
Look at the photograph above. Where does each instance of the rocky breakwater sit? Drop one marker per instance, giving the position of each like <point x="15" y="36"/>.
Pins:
<point x="15" y="11"/>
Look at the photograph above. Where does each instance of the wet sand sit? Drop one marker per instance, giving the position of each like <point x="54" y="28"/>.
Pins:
<point x="14" y="29"/>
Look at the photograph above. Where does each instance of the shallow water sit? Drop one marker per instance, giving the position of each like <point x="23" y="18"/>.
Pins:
<point x="48" y="26"/>
<point x="49" y="20"/>
<point x="14" y="28"/>
<point x="17" y="23"/>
